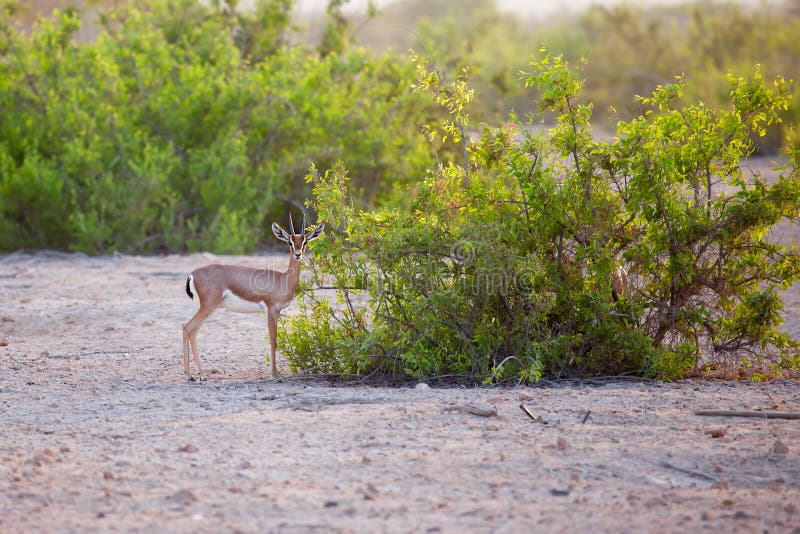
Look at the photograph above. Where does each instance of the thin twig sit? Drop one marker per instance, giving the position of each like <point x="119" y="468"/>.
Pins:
<point x="528" y="412"/>
<point x="691" y="472"/>
<point x="165" y="432"/>
<point x="471" y="408"/>
<point x="756" y="415"/>
<point x="341" y="288"/>
<point x="298" y="205"/>
<point x="317" y="401"/>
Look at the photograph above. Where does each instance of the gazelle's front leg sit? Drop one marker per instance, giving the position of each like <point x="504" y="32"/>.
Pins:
<point x="185" y="350"/>
<point x="272" y="326"/>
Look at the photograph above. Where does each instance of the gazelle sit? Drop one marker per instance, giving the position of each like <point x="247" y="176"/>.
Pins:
<point x="246" y="290"/>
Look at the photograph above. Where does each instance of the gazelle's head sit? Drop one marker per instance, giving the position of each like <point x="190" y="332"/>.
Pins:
<point x="297" y="242"/>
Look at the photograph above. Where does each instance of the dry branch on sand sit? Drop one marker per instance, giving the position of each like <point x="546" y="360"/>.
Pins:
<point x="471" y="409"/>
<point x="753" y="414"/>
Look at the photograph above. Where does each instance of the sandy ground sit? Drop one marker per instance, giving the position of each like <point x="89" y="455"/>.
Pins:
<point x="99" y="431"/>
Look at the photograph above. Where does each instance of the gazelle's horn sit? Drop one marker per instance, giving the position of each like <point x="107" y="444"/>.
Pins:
<point x="303" y="228"/>
<point x="291" y="224"/>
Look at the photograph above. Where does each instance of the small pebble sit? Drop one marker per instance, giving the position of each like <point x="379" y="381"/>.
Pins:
<point x="779" y="447"/>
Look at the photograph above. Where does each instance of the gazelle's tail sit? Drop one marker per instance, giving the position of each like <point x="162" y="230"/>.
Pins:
<point x="189" y="286"/>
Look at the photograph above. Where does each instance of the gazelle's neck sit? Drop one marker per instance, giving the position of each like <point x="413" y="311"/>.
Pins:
<point x="292" y="273"/>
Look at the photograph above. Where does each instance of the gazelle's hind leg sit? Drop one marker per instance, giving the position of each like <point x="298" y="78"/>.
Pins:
<point x="192" y="340"/>
<point x="190" y="330"/>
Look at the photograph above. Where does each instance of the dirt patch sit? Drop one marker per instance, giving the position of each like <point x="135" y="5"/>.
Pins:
<point x="100" y="431"/>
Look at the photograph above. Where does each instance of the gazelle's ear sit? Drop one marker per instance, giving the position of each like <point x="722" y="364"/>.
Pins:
<point x="311" y="235"/>
<point x="280" y="233"/>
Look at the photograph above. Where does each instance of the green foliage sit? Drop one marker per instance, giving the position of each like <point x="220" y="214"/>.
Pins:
<point x="631" y="50"/>
<point x="185" y="125"/>
<point x="459" y="36"/>
<point x="452" y="97"/>
<point x="508" y="275"/>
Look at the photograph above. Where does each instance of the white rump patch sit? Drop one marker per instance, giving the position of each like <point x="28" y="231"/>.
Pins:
<point x="236" y="304"/>
<point x="192" y="289"/>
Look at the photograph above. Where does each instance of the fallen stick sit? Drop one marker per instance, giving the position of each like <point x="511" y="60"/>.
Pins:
<point x="471" y="408"/>
<point x="757" y="415"/>
<point x="538" y="418"/>
<point x="586" y="417"/>
<point x="529" y="414"/>
<point x="691" y="472"/>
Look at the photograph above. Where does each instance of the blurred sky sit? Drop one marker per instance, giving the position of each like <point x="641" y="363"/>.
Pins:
<point x="532" y="8"/>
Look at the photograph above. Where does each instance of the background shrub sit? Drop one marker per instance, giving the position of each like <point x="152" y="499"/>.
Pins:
<point x="187" y="125"/>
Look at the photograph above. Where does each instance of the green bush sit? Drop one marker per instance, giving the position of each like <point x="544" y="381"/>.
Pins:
<point x="187" y="125"/>
<point x="502" y="268"/>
